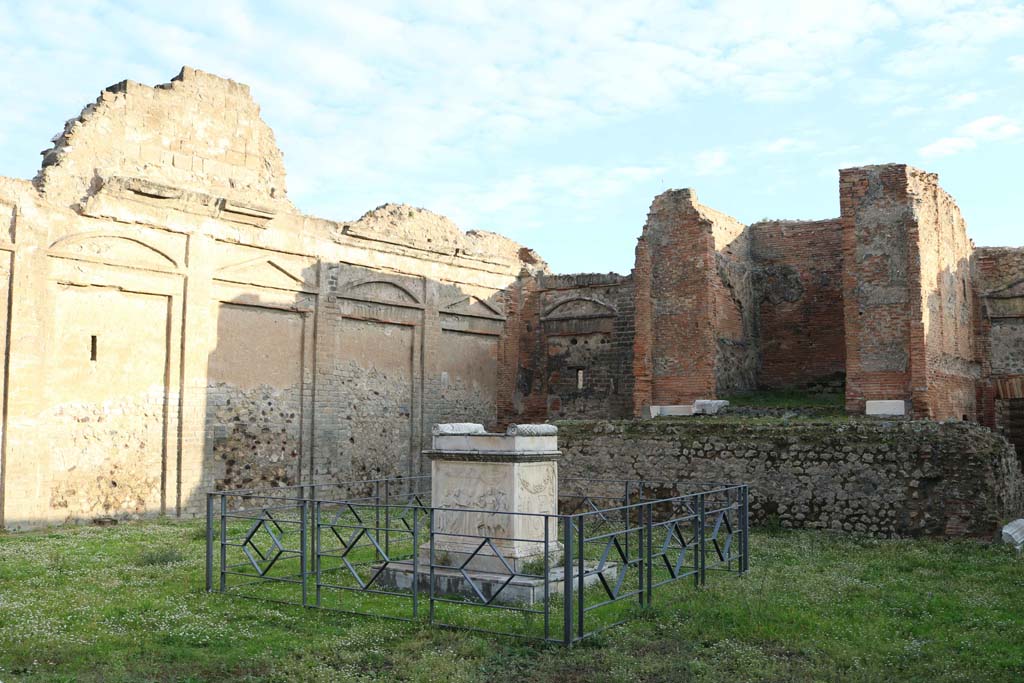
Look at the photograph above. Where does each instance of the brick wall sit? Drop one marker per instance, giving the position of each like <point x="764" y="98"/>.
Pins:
<point x="880" y="301"/>
<point x="910" y="306"/>
<point x="800" y="290"/>
<point x="1000" y="328"/>
<point x="945" y="347"/>
<point x="576" y="348"/>
<point x="699" y="298"/>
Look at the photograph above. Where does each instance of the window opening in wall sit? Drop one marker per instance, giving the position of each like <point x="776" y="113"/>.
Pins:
<point x="579" y="379"/>
<point x="92" y="348"/>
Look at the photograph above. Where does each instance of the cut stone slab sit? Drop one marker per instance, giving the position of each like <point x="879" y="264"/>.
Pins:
<point x="885" y="408"/>
<point x="521" y="589"/>
<point x="1013" y="534"/>
<point x="708" y="407"/>
<point x="674" y="411"/>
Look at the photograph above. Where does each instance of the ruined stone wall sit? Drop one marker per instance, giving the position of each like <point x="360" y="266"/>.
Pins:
<point x="700" y="301"/>
<point x="876" y="478"/>
<point x="943" y="346"/>
<point x="578" y="353"/>
<point x="910" y="307"/>
<point x="735" y="305"/>
<point x="176" y="327"/>
<point x="799" y="286"/>
<point x="880" y="302"/>
<point x="1000" y="284"/>
<point x="199" y="132"/>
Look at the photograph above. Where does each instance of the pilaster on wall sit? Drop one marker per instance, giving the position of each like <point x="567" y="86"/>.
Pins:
<point x="879" y="274"/>
<point x="693" y="282"/>
<point x="643" y="330"/>
<point x="522" y="363"/>
<point x="909" y="304"/>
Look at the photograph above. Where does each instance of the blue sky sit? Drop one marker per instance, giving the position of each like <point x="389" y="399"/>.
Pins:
<point x="557" y="123"/>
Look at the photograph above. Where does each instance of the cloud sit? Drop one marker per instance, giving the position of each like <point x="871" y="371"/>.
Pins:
<point x="985" y="129"/>
<point x="711" y="162"/>
<point x="1017" y="62"/>
<point x="990" y="128"/>
<point x="947" y="146"/>
<point x="779" y="145"/>
<point x="783" y="145"/>
<point x="521" y="199"/>
<point x="954" y="36"/>
<point x="961" y="100"/>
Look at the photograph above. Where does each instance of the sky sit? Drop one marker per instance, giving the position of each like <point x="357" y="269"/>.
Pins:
<point x="555" y="123"/>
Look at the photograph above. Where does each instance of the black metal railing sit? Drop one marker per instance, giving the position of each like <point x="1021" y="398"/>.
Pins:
<point x="379" y="548"/>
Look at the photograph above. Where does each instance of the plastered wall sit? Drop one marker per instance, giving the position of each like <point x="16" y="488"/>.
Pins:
<point x="177" y="327"/>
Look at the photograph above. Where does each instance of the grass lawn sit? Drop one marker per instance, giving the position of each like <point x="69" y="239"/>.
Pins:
<point x="126" y="604"/>
<point x="788" y="398"/>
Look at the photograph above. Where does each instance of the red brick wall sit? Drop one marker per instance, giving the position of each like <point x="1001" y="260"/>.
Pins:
<point x="910" y="305"/>
<point x="560" y="325"/>
<point x="642" y="333"/>
<point x="698" y="339"/>
<point x="801" y="321"/>
<point x="951" y="370"/>
<point x="682" y="335"/>
<point x="999" y="281"/>
<point x="879" y="278"/>
<point x="521" y="357"/>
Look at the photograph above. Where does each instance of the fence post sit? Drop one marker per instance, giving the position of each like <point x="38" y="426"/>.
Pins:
<point x="316" y="549"/>
<point x="745" y="523"/>
<point x="547" y="577"/>
<point x="695" y="544"/>
<point x="640" y="554"/>
<point x="649" y="552"/>
<point x="415" y="562"/>
<point x="376" y="514"/>
<point x="567" y="577"/>
<point x="209" y="542"/>
<point x="703" y="541"/>
<point x="581" y="571"/>
<point x="303" y="547"/>
<point x="387" y="518"/>
<point x="223" y="542"/>
<point x="430" y="616"/>
<point x="626" y="515"/>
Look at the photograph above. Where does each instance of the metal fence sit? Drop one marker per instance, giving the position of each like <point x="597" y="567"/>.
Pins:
<point x="378" y="548"/>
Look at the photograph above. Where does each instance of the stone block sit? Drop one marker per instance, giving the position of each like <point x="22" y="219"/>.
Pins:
<point x="494" y="586"/>
<point x="885" y="408"/>
<point x="1013" y="534"/>
<point x="675" y="411"/>
<point x="708" y="407"/>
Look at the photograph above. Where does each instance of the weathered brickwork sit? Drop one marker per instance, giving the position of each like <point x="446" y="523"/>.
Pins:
<point x="880" y="479"/>
<point x="699" y="336"/>
<point x="1000" y="285"/>
<point x="799" y="283"/>
<point x="910" y="305"/>
<point x="580" y="329"/>
<point x="173" y="324"/>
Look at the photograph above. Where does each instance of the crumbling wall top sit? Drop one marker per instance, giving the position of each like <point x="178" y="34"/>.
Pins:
<point x="198" y="132"/>
<point x="412" y="226"/>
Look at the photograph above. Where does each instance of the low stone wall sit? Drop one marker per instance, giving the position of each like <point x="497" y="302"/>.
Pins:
<point x="906" y="478"/>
